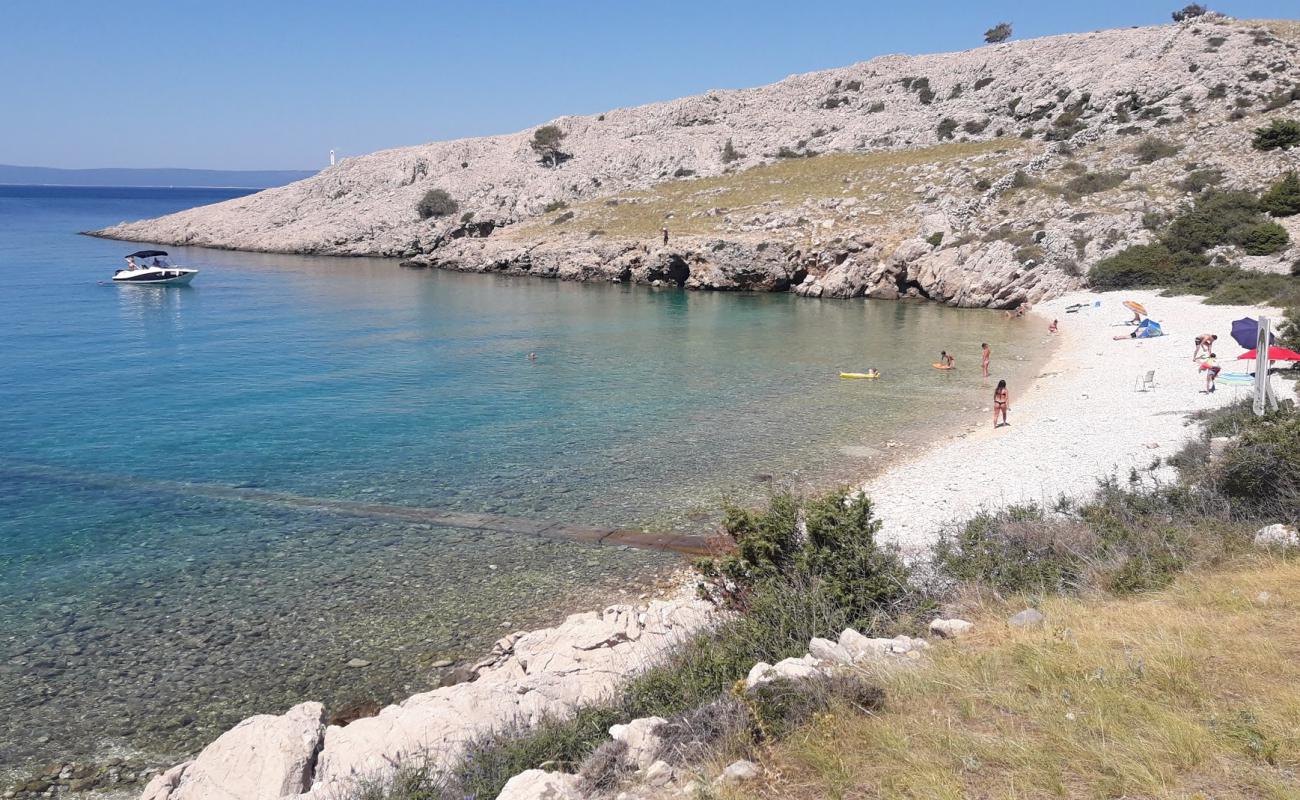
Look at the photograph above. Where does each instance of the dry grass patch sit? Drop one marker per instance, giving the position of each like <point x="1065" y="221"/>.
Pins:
<point x="1193" y="691"/>
<point x="880" y="181"/>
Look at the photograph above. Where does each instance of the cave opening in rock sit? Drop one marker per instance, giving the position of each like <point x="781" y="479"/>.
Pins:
<point x="678" y="270"/>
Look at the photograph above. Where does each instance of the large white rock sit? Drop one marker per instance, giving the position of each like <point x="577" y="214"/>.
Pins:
<point x="828" y="651"/>
<point x="643" y="744"/>
<point x="950" y="628"/>
<point x="1278" y="535"/>
<point x="738" y="772"/>
<point x="262" y="758"/>
<point x="536" y="784"/>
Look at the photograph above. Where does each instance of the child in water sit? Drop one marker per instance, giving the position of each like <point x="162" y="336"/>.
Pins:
<point x="945" y="359"/>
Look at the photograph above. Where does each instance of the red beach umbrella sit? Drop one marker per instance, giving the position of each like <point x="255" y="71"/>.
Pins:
<point x="1274" y="354"/>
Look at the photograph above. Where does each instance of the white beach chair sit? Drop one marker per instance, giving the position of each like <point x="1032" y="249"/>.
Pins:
<point x="1143" y="383"/>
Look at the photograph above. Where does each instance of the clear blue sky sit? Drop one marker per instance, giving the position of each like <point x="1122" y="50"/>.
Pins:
<point x="274" y="84"/>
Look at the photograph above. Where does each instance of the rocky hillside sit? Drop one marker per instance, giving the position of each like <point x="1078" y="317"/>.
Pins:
<point x="981" y="178"/>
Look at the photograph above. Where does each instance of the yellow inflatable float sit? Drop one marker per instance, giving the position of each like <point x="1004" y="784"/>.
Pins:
<point x="866" y="375"/>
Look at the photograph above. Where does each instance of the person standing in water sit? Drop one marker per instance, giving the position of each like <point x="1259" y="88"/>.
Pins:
<point x="985" y="352"/>
<point x="1000" y="404"/>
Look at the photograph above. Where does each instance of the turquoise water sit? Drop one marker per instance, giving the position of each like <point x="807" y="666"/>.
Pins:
<point x="147" y="608"/>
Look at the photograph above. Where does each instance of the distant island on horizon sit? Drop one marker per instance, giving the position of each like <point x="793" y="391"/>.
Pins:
<point x="145" y="177"/>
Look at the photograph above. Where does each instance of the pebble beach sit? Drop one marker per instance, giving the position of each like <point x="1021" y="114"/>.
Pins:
<point x="1080" y="420"/>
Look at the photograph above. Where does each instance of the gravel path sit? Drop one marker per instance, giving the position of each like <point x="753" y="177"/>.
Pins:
<point x="1081" y="420"/>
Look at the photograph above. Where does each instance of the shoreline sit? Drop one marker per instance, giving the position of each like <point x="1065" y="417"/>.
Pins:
<point x="1080" y="420"/>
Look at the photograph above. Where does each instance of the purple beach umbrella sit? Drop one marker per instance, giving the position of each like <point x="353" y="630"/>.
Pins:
<point x="1246" y="332"/>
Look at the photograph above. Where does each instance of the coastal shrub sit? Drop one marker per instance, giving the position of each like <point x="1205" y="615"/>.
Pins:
<point x="827" y="541"/>
<point x="1279" y="134"/>
<point x="436" y="203"/>
<point x="567" y="216"/>
<point x="982" y="82"/>
<point x="1152" y="149"/>
<point x="1217" y="92"/>
<point x="998" y="33"/>
<point x="1261" y="470"/>
<point x="554" y="205"/>
<point x="1021" y="180"/>
<point x="1189" y="11"/>
<point x="876" y="107"/>
<point x="946" y="127"/>
<point x="1216" y="218"/>
<point x="1282" y="198"/>
<point x="1137" y="266"/>
<point x="1263" y="239"/>
<point x="546" y="143"/>
<point x="1093" y="182"/>
<point x="935" y="239"/>
<point x="853" y="86"/>
<point x="926" y="96"/>
<point x="730" y="154"/>
<point x="973" y="126"/>
<point x="467" y="217"/>
<point x="780" y="706"/>
<point x="1198" y="180"/>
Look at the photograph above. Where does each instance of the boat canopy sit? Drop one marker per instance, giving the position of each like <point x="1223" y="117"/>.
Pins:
<point x="146" y="254"/>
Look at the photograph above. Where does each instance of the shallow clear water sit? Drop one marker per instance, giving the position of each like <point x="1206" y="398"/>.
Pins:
<point x="144" y="613"/>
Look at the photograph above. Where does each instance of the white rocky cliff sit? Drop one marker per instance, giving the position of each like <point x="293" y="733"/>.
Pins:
<point x="963" y="203"/>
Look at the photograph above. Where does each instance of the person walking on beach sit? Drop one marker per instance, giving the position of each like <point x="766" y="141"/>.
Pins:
<point x="665" y="235"/>
<point x="1000" y="404"/>
<point x="984" y="358"/>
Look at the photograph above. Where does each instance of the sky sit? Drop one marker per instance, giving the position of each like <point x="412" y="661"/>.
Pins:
<point x="275" y="84"/>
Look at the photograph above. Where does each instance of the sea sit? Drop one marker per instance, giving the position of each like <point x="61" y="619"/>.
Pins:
<point x="202" y="488"/>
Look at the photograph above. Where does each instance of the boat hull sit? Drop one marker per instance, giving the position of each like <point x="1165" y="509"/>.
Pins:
<point x="171" y="277"/>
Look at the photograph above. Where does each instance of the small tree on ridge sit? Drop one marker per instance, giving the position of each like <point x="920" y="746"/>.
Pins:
<point x="998" y="33"/>
<point x="1190" y="11"/>
<point x="546" y="143"/>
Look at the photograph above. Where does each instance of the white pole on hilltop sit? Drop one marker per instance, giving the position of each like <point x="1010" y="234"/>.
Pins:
<point x="331" y="158"/>
<point x="1265" y="399"/>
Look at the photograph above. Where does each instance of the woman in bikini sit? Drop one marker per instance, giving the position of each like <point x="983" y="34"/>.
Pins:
<point x="1000" y="404"/>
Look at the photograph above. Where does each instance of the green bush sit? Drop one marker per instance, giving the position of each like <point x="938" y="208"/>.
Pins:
<point x="1136" y="266"/>
<point x="998" y="33"/>
<point x="1211" y="221"/>
<point x="1282" y="198"/>
<point x="1189" y="12"/>
<point x="554" y="205"/>
<point x="836" y="550"/>
<point x="730" y="154"/>
<point x="935" y="239"/>
<point x="1198" y="180"/>
<point x="1093" y="182"/>
<point x="436" y="203"/>
<point x="1278" y="134"/>
<point x="1152" y="149"/>
<point x="946" y="127"/>
<point x="1262" y="469"/>
<point x="1263" y="239"/>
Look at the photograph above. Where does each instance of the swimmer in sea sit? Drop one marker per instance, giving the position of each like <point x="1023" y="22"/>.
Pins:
<point x="946" y="360"/>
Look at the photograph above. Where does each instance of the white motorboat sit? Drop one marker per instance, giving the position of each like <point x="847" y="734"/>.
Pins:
<point x="152" y="269"/>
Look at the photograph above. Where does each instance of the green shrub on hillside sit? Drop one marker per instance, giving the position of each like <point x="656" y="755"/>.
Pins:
<point x="1189" y="11"/>
<point x="1263" y="239"/>
<point x="1278" y="134"/>
<point x="1282" y="198"/>
<point x="1198" y="180"/>
<point x="436" y="203"/>
<point x="1093" y="182"/>
<point x="1211" y="221"/>
<point x="1137" y="266"/>
<point x="730" y="154"/>
<point x="1152" y="149"/>
<point x="946" y="127"/>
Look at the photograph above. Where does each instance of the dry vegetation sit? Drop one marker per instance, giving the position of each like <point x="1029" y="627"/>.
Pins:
<point x="1193" y="691"/>
<point x="882" y="182"/>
